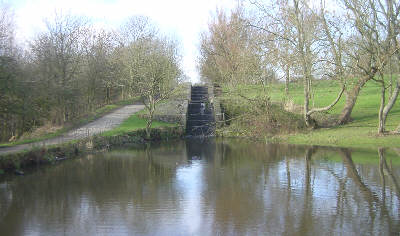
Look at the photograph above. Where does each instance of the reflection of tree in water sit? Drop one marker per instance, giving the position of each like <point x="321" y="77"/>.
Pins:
<point x="236" y="182"/>
<point x="349" y="206"/>
<point x="232" y="181"/>
<point x="307" y="215"/>
<point x="7" y="206"/>
<point x="242" y="182"/>
<point x="243" y="187"/>
<point x="111" y="185"/>
<point x="376" y="207"/>
<point x="386" y="170"/>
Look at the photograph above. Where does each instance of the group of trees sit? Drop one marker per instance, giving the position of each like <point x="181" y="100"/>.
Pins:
<point x="231" y="53"/>
<point x="73" y="68"/>
<point x="351" y="42"/>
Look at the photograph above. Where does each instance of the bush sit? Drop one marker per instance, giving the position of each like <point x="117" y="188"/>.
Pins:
<point x="258" y="117"/>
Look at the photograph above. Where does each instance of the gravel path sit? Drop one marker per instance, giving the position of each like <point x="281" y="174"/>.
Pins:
<point x="102" y="124"/>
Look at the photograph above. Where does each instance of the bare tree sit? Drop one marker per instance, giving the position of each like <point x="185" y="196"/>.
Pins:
<point x="9" y="72"/>
<point x="375" y="22"/>
<point x="298" y="25"/>
<point x="153" y="67"/>
<point x="102" y="68"/>
<point x="7" y="28"/>
<point x="58" y="54"/>
<point x="136" y="28"/>
<point x="333" y="36"/>
<point x="230" y="52"/>
<point x="283" y="51"/>
<point x="390" y="12"/>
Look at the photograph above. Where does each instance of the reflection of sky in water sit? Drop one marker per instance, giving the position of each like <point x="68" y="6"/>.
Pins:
<point x="189" y="184"/>
<point x="233" y="189"/>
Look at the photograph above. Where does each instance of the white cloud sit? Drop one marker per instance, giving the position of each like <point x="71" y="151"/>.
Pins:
<point x="182" y="18"/>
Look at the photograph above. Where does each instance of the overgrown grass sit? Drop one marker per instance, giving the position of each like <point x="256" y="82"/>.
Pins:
<point x="73" y="124"/>
<point x="134" y="122"/>
<point x="256" y="116"/>
<point x="361" y="132"/>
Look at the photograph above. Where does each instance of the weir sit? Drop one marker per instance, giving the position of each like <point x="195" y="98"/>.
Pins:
<point x="200" y="113"/>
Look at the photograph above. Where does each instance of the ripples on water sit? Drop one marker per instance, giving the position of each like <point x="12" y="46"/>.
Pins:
<point x="208" y="187"/>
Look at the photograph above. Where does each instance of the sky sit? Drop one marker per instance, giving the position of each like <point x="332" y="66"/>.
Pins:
<point x="183" y="19"/>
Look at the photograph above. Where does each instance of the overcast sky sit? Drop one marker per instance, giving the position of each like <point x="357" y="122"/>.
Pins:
<point x="184" y="19"/>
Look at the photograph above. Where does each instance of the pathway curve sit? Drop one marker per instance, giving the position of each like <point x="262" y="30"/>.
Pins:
<point x="102" y="124"/>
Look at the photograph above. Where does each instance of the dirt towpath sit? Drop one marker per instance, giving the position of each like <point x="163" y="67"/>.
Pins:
<point x="102" y="124"/>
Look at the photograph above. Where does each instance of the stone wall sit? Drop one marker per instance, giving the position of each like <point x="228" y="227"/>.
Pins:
<point x="215" y="92"/>
<point x="175" y="108"/>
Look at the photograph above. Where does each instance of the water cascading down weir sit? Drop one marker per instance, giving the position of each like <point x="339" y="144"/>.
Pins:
<point x="200" y="114"/>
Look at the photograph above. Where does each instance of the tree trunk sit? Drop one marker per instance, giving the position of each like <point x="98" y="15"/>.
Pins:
<point x="345" y="116"/>
<point x="65" y="114"/>
<point x="107" y="95"/>
<point x="5" y="124"/>
<point x="351" y="99"/>
<point x="148" y="126"/>
<point x="150" y="119"/>
<point x="23" y="124"/>
<point x="287" y="80"/>
<point x="306" y="102"/>
<point x="381" y="125"/>
<point x="384" y="110"/>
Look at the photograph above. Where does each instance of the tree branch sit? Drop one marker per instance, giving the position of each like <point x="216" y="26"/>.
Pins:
<point x="330" y="106"/>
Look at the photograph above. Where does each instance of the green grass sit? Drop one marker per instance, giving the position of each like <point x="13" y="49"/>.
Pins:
<point x="82" y="121"/>
<point x="361" y="132"/>
<point x="134" y="122"/>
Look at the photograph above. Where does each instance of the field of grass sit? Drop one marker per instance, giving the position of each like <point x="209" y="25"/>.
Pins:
<point x="361" y="132"/>
<point x="134" y="122"/>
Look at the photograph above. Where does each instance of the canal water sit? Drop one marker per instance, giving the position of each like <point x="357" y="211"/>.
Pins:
<point x="208" y="187"/>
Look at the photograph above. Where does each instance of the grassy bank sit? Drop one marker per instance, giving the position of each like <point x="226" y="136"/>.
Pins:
<point x="49" y="155"/>
<point x="130" y="132"/>
<point x="133" y="123"/>
<point x="48" y="134"/>
<point x="361" y="132"/>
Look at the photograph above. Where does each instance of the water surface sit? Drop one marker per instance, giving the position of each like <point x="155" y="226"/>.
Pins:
<point x="208" y="187"/>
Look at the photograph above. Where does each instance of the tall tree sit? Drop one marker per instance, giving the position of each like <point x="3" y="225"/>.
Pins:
<point x="229" y="52"/>
<point x="297" y="24"/>
<point x="102" y="68"/>
<point x="9" y="72"/>
<point x="375" y="23"/>
<point x="388" y="16"/>
<point x="153" y="67"/>
<point x="58" y="55"/>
